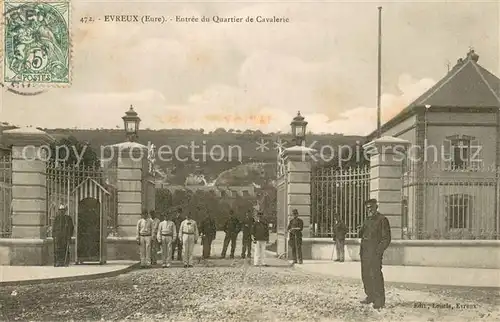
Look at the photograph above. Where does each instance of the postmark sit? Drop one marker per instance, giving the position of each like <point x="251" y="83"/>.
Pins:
<point x="36" y="46"/>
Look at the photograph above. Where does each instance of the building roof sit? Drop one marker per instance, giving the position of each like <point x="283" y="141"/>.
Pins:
<point x="466" y="85"/>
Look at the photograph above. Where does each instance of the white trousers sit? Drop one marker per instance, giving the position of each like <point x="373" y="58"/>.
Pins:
<point x="187" y="249"/>
<point x="166" y="249"/>
<point x="145" y="250"/>
<point x="259" y="252"/>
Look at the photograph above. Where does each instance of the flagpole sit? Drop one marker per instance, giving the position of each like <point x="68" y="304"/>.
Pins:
<point x="379" y="80"/>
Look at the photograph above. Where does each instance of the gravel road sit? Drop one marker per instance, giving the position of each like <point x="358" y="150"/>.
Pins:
<point x="232" y="290"/>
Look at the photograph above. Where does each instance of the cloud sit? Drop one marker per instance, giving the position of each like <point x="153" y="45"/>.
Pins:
<point x="242" y="107"/>
<point x="259" y="75"/>
<point x="91" y="110"/>
<point x="363" y="120"/>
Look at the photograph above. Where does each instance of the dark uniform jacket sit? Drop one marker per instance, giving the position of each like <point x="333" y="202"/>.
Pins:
<point x="375" y="235"/>
<point x="62" y="227"/>
<point x="339" y="231"/>
<point x="208" y="228"/>
<point x="260" y="231"/>
<point x="232" y="226"/>
<point x="296" y="223"/>
<point x="247" y="227"/>
<point x="177" y="221"/>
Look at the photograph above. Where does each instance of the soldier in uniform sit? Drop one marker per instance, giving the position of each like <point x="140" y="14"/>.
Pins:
<point x="375" y="237"/>
<point x="295" y="228"/>
<point x="62" y="230"/>
<point x="246" y="245"/>
<point x="232" y="228"/>
<point x="260" y="235"/>
<point x="144" y="235"/>
<point x="339" y="232"/>
<point x="177" y="243"/>
<point x="155" y="244"/>
<point x="188" y="233"/>
<point x="165" y="235"/>
<point x="208" y="231"/>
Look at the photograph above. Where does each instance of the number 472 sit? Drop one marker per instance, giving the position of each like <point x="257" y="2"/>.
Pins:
<point x="87" y="19"/>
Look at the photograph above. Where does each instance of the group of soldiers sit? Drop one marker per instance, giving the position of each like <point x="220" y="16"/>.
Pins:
<point x="167" y="234"/>
<point x="181" y="234"/>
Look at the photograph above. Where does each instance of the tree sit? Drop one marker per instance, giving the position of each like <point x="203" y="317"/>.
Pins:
<point x="70" y="151"/>
<point x="350" y="156"/>
<point x="179" y="198"/>
<point x="163" y="200"/>
<point x="220" y="130"/>
<point x="242" y="205"/>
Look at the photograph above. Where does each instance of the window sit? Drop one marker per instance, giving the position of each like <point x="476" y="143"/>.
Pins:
<point x="461" y="152"/>
<point x="459" y="210"/>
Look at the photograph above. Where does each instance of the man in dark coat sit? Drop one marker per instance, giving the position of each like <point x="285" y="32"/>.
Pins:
<point x="208" y="231"/>
<point x="177" y="244"/>
<point x="339" y="232"/>
<point x="232" y="228"/>
<point x="246" y="243"/>
<point x="155" y="245"/>
<point x="294" y="229"/>
<point x="375" y="237"/>
<point x="260" y="236"/>
<point x="62" y="231"/>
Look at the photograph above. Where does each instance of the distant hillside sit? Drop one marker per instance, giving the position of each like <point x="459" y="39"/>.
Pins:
<point x="178" y="170"/>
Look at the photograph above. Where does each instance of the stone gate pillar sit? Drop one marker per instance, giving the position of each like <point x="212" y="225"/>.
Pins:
<point x="131" y="157"/>
<point x="29" y="186"/>
<point x="298" y="166"/>
<point x="386" y="178"/>
<point x="29" y="195"/>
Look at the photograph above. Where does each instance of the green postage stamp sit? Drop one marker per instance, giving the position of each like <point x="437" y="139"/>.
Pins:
<point x="36" y="43"/>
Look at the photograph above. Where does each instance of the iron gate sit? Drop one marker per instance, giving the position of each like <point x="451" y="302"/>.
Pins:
<point x="6" y="196"/>
<point x="70" y="185"/>
<point x="338" y="192"/>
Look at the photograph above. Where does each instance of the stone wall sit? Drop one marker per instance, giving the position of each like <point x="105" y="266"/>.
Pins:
<point x="436" y="253"/>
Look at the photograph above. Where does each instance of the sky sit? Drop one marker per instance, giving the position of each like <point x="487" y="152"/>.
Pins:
<point x="257" y="75"/>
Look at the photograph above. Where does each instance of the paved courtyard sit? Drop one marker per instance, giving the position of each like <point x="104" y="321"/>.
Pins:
<point x="232" y="290"/>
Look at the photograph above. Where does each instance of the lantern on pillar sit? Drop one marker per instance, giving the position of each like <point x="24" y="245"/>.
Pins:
<point x="299" y="129"/>
<point x="131" y="124"/>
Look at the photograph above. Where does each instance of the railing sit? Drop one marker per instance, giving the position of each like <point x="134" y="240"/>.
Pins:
<point x="5" y="196"/>
<point x="451" y="204"/>
<point x="338" y="193"/>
